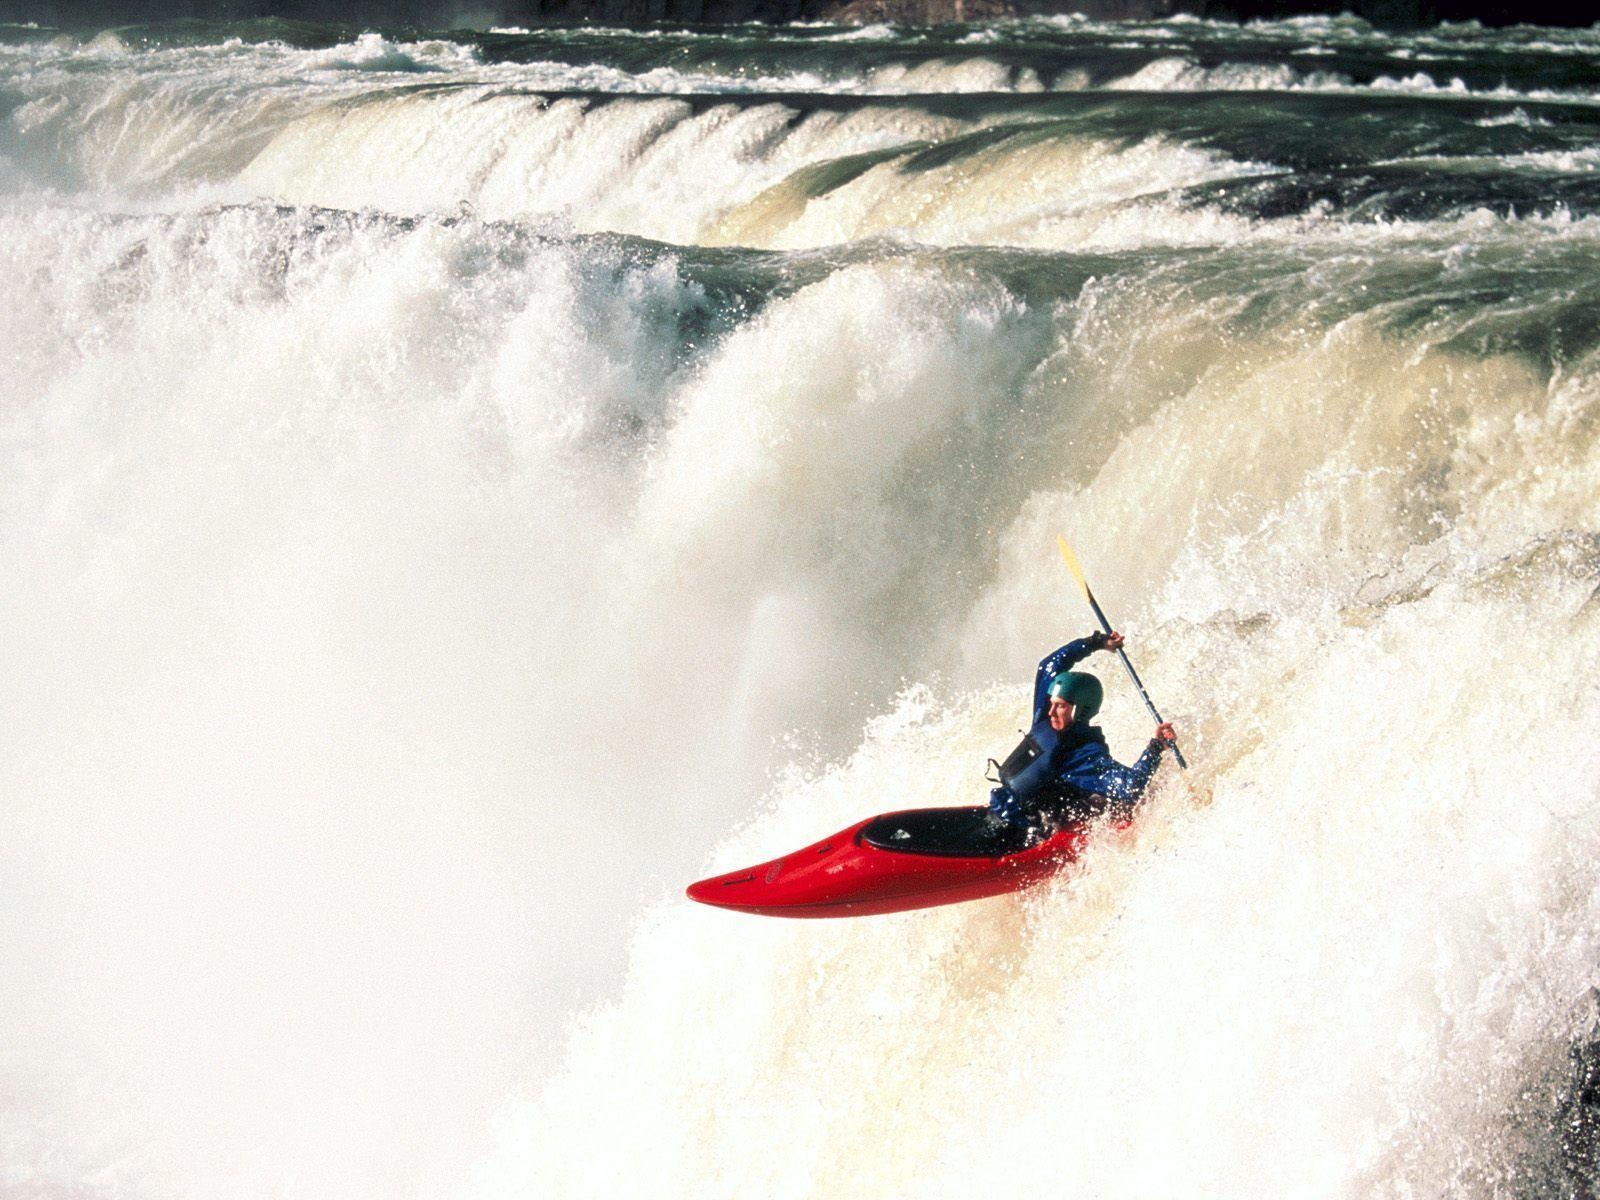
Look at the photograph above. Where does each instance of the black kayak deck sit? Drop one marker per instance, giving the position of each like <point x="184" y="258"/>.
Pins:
<point x="948" y="833"/>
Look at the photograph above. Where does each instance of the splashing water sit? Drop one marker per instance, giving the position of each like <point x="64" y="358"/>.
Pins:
<point x="412" y="574"/>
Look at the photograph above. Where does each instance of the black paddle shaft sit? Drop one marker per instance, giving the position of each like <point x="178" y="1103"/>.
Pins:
<point x="1132" y="674"/>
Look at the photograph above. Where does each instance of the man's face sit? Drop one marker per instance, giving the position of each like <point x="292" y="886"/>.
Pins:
<point x="1060" y="713"/>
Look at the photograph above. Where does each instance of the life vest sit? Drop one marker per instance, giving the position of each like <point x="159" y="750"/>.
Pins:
<point x="1032" y="771"/>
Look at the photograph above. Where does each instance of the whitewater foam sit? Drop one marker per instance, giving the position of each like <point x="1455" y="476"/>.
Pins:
<point x="402" y="595"/>
<point x="1357" y="970"/>
<point x="1033" y="191"/>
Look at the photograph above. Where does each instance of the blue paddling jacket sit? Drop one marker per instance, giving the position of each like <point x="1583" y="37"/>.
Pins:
<point x="1071" y="772"/>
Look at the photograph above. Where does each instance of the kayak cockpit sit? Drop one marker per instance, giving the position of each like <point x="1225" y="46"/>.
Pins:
<point x="947" y="833"/>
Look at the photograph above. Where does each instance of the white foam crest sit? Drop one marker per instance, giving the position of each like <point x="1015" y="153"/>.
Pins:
<point x="108" y="43"/>
<point x="1149" y="223"/>
<point x="1176" y="74"/>
<point x="1419" y="82"/>
<point x="944" y="75"/>
<point x="1026" y="191"/>
<point x="770" y="443"/>
<point x="148" y="122"/>
<point x="631" y="166"/>
<point x="831" y="440"/>
<point x="1320" y="34"/>
<point x="135" y="140"/>
<point x="1518" y="116"/>
<point x="878" y="32"/>
<point x="298" y="513"/>
<point x="1575" y="161"/>
<point x="374" y="52"/>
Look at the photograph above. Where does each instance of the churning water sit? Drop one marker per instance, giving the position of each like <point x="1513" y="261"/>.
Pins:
<point x="448" y="482"/>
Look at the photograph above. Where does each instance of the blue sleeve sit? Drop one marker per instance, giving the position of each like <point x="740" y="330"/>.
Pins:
<point x="1061" y="660"/>
<point x="1114" y="781"/>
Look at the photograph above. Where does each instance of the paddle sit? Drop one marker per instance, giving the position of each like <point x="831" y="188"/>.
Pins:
<point x="1071" y="560"/>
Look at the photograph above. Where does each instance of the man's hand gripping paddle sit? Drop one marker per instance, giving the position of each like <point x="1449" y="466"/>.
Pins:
<point x="1071" y="560"/>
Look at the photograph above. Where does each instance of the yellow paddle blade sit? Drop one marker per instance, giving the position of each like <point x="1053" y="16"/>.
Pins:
<point x="1071" y="559"/>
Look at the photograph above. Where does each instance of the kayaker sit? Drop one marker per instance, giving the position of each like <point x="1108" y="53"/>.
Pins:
<point x="1062" y="769"/>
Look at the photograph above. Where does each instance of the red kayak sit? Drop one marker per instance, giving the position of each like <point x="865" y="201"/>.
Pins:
<point x="898" y="861"/>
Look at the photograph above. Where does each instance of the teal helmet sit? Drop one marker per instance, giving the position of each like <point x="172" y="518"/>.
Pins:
<point x="1081" y="691"/>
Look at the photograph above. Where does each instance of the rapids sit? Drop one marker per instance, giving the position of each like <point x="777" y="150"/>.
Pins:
<point x="449" y="480"/>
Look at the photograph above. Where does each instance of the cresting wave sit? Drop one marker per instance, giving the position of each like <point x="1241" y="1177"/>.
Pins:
<point x="416" y="564"/>
<point x="1052" y="172"/>
<point x="434" y="127"/>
